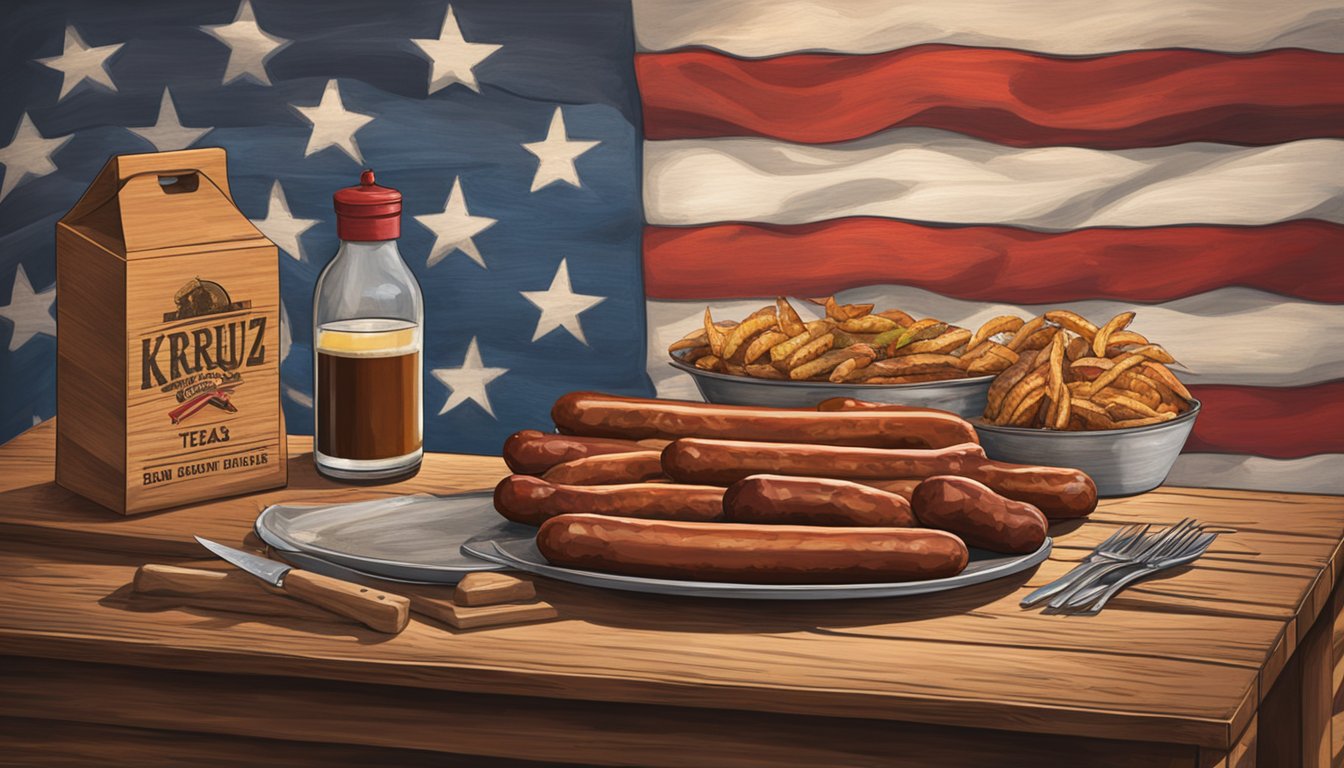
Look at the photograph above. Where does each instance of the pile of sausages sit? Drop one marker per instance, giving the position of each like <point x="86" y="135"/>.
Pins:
<point x="851" y="492"/>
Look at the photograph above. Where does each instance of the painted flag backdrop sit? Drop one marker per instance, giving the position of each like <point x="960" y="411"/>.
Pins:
<point x="582" y="178"/>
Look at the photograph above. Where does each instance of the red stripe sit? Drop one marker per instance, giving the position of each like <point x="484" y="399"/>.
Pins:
<point x="1280" y="423"/>
<point x="1142" y="98"/>
<point x="1296" y="258"/>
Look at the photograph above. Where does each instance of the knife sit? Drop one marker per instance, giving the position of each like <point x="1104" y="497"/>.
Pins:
<point x="375" y="609"/>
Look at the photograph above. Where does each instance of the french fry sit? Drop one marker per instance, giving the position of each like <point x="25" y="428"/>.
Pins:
<point x="842" y="370"/>
<point x="764" y="371"/>
<point x="901" y="318"/>
<point x="811" y="331"/>
<point x="1121" y="339"/>
<point x="1040" y="339"/>
<point x="761" y="321"/>
<point x="1158" y="419"/>
<point x="695" y="353"/>
<point x="1073" y="322"/>
<point x="762" y="344"/>
<point x="1111" y="374"/>
<point x="952" y="339"/>
<point x="1117" y="323"/>
<point x="1077" y="348"/>
<point x="920" y="330"/>
<point x="1162" y="374"/>
<point x="1130" y="407"/>
<point x="1032" y="382"/>
<point x="993" y="327"/>
<point x="911" y="364"/>
<point x="914" y="378"/>
<point x="996" y="358"/>
<point x="1092" y="415"/>
<point x="868" y="324"/>
<point x="1031" y="326"/>
<point x="1027" y="410"/>
<point x="1063" y="408"/>
<point x="1005" y="381"/>
<point x="810" y="351"/>
<point x="789" y="321"/>
<point x="827" y="361"/>
<point x="714" y="334"/>
<point x="842" y="311"/>
<point x="1153" y="352"/>
<point x="710" y="363"/>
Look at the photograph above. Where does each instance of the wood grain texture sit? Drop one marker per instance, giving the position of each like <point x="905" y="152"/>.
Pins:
<point x="1222" y="627"/>
<point x="375" y="609"/>
<point x="466" y="617"/>
<point x="537" y="729"/>
<point x="491" y="589"/>
<point x="30" y="743"/>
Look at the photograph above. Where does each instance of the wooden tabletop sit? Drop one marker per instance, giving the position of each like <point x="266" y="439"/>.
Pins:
<point x="1185" y="659"/>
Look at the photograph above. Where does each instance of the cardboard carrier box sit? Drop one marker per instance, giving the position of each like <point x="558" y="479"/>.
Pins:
<point x="168" y="342"/>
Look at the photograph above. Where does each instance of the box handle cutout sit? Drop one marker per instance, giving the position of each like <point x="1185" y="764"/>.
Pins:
<point x="181" y="183"/>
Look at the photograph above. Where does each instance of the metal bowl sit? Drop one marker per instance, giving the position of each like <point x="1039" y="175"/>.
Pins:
<point x="964" y="397"/>
<point x="1122" y="462"/>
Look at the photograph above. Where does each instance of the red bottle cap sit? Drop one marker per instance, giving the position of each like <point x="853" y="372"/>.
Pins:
<point x="368" y="212"/>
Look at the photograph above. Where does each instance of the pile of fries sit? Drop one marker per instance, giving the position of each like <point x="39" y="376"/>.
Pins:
<point x="1085" y="377"/>
<point x="851" y="344"/>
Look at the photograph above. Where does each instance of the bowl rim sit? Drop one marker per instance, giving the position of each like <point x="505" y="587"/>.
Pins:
<point x="681" y="365"/>
<point x="1188" y="416"/>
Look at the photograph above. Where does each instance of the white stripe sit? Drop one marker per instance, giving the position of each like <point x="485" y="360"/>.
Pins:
<point x="936" y="176"/>
<point x="756" y="28"/>
<point x="1323" y="473"/>
<point x="1227" y="336"/>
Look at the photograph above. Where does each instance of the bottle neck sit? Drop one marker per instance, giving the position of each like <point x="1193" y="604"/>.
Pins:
<point x="369" y="249"/>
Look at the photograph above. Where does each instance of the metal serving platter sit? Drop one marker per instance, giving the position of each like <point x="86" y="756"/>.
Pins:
<point x="520" y="552"/>
<point x="964" y="397"/>
<point x="410" y="538"/>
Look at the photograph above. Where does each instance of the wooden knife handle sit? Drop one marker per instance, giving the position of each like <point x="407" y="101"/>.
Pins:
<point x="377" y="610"/>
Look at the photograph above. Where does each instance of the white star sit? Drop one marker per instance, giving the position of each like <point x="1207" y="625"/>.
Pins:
<point x="167" y="133"/>
<point x="29" y="312"/>
<point x="333" y="124"/>
<point x="281" y="226"/>
<point x="28" y="154"/>
<point x="557" y="154"/>
<point x="249" y="47"/>
<point x="451" y="57"/>
<point x="78" y="62"/>
<point x="560" y="306"/>
<point x="468" y="382"/>
<point x="454" y="228"/>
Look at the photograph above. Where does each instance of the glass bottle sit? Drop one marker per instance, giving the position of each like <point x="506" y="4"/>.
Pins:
<point x="368" y="339"/>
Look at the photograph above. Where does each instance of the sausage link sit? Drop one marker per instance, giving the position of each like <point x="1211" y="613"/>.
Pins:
<point x="776" y="500"/>
<point x="531" y="452"/>
<point x="724" y="462"/>
<point x="531" y="500"/>
<point x="608" y="469"/>
<point x="753" y="554"/>
<point x="1058" y="492"/>
<point x="981" y="517"/>
<point x="598" y="415"/>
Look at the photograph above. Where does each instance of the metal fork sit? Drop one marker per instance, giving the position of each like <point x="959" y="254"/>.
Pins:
<point x="1155" y="546"/>
<point x="1116" y="546"/>
<point x="1096" y="597"/>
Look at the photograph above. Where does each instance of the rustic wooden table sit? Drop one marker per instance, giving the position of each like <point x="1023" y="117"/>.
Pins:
<point x="1235" y="659"/>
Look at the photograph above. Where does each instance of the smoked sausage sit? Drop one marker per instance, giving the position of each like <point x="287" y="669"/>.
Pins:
<point x="724" y="462"/>
<point x="608" y="416"/>
<point x="1058" y="492"/>
<point x="776" y="500"/>
<point x="981" y="517"/>
<point x="608" y="469"/>
<point x="531" y="500"/>
<point x="532" y="452"/>
<point x="751" y="554"/>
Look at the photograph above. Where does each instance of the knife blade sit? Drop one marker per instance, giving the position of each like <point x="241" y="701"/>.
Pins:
<point x="375" y="609"/>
